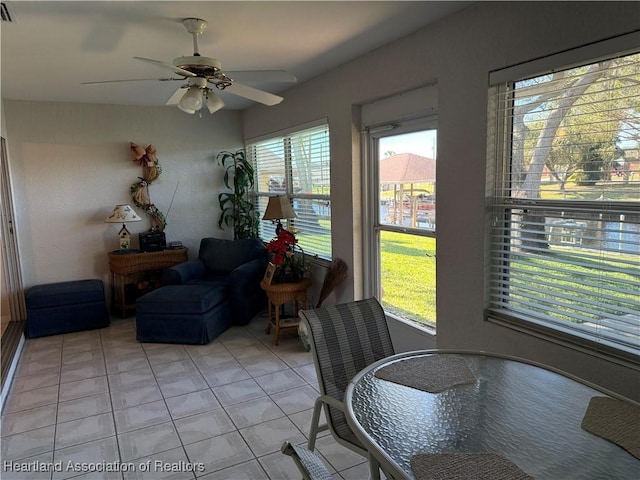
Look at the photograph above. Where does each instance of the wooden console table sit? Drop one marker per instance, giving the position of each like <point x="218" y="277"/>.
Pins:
<point x="277" y="295"/>
<point x="126" y="269"/>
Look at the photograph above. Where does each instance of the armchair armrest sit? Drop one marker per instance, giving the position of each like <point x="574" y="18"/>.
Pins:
<point x="248" y="273"/>
<point x="246" y="296"/>
<point x="184" y="272"/>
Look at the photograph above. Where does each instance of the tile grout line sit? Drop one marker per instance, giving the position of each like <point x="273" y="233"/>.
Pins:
<point x="113" y="412"/>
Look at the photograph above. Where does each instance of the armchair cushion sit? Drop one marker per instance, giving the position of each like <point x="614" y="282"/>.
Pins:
<point x="223" y="256"/>
<point x="183" y="300"/>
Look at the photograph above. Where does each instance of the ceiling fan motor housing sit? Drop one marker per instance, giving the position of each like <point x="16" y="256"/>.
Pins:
<point x="199" y="82"/>
<point x="201" y="66"/>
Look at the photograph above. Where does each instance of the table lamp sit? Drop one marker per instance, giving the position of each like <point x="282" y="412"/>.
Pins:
<point x="278" y="208"/>
<point x="124" y="214"/>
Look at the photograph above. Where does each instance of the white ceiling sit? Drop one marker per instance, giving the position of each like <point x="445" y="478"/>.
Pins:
<point x="51" y="47"/>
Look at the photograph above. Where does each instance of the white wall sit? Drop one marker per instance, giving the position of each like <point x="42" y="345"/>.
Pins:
<point x="71" y="164"/>
<point x="457" y="53"/>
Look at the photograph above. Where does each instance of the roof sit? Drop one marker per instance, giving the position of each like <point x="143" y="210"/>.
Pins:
<point x="407" y="168"/>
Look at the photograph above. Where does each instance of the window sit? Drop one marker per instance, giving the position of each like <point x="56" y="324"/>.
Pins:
<point x="403" y="168"/>
<point x="565" y="220"/>
<point x="297" y="164"/>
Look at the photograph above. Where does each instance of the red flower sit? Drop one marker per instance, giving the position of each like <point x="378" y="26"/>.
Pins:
<point x="287" y="237"/>
<point x="282" y="246"/>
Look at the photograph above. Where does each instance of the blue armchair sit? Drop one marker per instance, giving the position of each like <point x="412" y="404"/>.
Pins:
<point x="202" y="297"/>
<point x="236" y="266"/>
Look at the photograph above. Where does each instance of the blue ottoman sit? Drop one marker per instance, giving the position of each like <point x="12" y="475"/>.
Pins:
<point x="65" y="307"/>
<point x="194" y="314"/>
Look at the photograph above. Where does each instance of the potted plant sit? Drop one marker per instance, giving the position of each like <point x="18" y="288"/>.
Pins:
<point x="236" y="207"/>
<point x="288" y="257"/>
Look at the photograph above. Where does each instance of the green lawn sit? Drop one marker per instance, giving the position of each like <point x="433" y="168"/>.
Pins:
<point x="587" y="277"/>
<point x="611" y="191"/>
<point x="408" y="273"/>
<point x="408" y="267"/>
<point x="409" y="279"/>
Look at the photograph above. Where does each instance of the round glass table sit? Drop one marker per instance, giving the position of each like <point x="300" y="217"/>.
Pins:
<point x="524" y="412"/>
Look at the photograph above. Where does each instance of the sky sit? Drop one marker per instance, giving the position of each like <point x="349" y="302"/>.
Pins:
<point x="420" y="143"/>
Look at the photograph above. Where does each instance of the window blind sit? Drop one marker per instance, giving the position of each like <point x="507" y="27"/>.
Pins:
<point x="297" y="165"/>
<point x="565" y="233"/>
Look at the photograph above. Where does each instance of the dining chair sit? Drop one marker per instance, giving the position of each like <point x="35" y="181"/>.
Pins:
<point x="307" y="462"/>
<point x="344" y="339"/>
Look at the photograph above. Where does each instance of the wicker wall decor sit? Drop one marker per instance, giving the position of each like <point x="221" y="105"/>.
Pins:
<point x="151" y="170"/>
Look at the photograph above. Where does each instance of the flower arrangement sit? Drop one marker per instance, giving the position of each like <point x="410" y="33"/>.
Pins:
<point x="290" y="265"/>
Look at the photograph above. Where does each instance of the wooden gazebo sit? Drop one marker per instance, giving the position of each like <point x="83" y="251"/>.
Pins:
<point x="409" y="175"/>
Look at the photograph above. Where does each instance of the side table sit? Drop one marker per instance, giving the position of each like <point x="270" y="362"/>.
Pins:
<point x="277" y="295"/>
<point x="125" y="267"/>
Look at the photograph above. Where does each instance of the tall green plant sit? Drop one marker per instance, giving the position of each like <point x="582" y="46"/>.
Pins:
<point x="236" y="208"/>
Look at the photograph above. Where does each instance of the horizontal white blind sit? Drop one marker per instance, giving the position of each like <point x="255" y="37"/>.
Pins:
<point x="298" y="165"/>
<point x="565" y="243"/>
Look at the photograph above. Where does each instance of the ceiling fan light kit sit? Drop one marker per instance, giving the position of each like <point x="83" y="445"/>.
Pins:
<point x="204" y="73"/>
<point x="192" y="100"/>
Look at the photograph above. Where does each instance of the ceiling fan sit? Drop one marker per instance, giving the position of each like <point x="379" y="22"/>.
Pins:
<point x="203" y="74"/>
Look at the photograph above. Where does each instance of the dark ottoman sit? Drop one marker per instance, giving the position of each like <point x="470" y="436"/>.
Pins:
<point x="65" y="307"/>
<point x="193" y="314"/>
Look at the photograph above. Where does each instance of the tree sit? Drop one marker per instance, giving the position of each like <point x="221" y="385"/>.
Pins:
<point x="560" y="106"/>
<point x="584" y="160"/>
<point x="569" y="122"/>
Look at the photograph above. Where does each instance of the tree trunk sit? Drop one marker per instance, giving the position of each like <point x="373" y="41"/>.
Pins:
<point x="530" y="188"/>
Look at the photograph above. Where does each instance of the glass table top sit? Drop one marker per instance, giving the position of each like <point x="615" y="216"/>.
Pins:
<point x="526" y="413"/>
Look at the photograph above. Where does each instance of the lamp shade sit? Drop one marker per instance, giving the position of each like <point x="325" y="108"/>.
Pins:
<point x="186" y="110"/>
<point x="278" y="208"/>
<point x="123" y="214"/>
<point x="214" y="102"/>
<point x="191" y="101"/>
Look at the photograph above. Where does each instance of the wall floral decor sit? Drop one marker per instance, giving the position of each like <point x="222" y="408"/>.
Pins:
<point x="151" y="170"/>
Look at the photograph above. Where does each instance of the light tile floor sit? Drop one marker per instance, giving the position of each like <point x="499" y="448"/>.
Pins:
<point x="99" y="400"/>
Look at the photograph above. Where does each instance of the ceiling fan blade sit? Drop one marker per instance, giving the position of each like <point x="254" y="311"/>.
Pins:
<point x="177" y="95"/>
<point x="178" y="70"/>
<point x="254" y="94"/>
<point x="263" y="76"/>
<point x="133" y="80"/>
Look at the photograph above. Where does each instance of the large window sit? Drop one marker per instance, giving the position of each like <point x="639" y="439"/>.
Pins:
<point x="402" y="196"/>
<point x="565" y="224"/>
<point x="297" y="164"/>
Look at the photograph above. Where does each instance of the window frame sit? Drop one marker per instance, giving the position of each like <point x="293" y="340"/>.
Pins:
<point x="501" y="204"/>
